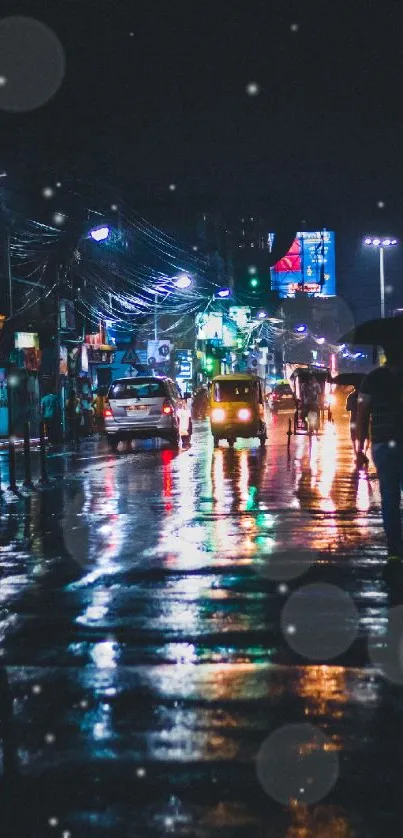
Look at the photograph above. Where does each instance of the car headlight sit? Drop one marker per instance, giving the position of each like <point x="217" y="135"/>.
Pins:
<point x="244" y="414"/>
<point x="218" y="414"/>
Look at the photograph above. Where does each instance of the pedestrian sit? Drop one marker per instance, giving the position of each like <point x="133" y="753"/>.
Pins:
<point x="352" y="409"/>
<point x="50" y="413"/>
<point x="87" y="407"/>
<point x="380" y="401"/>
<point x="98" y="408"/>
<point x="74" y="418"/>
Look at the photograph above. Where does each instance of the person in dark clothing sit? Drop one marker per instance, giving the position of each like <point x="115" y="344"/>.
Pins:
<point x="352" y="409"/>
<point x="50" y="412"/>
<point x="73" y="416"/>
<point x="381" y="400"/>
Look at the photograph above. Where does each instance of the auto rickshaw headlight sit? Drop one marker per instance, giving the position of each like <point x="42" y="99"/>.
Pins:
<point x="218" y="414"/>
<point x="244" y="414"/>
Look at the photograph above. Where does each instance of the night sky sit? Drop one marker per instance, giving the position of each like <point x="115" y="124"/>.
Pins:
<point x="156" y="94"/>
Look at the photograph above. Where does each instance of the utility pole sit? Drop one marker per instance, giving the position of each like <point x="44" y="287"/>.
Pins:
<point x="382" y="280"/>
<point x="156" y="316"/>
<point x="9" y="281"/>
<point x="8" y="270"/>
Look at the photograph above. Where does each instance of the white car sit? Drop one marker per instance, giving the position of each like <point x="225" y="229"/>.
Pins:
<point x="143" y="408"/>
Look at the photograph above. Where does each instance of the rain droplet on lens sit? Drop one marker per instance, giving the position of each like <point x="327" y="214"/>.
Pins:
<point x="325" y="621"/>
<point x="252" y="89"/>
<point x="32" y="63"/>
<point x="283" y="565"/>
<point x="297" y="762"/>
<point x="386" y="650"/>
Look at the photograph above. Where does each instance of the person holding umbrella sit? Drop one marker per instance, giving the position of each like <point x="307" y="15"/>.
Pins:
<point x="380" y="401"/>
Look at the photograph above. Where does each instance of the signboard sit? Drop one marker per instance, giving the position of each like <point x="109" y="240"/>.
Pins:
<point x="229" y="333"/>
<point x="130" y="358"/>
<point x="209" y="326"/>
<point x="158" y="352"/>
<point x="26" y="340"/>
<point x="240" y="315"/>
<point x="308" y="266"/>
<point x="63" y="363"/>
<point x="67" y="317"/>
<point x="84" y="358"/>
<point x="97" y="356"/>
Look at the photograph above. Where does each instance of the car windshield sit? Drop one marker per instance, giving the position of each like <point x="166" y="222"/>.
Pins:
<point x="144" y="389"/>
<point x="283" y="390"/>
<point x="233" y="391"/>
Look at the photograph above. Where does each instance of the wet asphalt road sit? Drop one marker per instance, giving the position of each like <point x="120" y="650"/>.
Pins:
<point x="164" y="645"/>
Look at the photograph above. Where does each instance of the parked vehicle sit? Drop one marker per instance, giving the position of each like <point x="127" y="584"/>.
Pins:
<point x="143" y="408"/>
<point x="281" y="398"/>
<point x="237" y="408"/>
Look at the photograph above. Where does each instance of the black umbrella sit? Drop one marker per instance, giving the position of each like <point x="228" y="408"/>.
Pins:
<point x="385" y="332"/>
<point x="346" y="379"/>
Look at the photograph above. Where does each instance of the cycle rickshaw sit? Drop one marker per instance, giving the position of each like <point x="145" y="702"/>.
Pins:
<point x="309" y="421"/>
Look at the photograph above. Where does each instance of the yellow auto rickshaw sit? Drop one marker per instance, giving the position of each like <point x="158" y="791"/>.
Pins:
<point x="237" y="408"/>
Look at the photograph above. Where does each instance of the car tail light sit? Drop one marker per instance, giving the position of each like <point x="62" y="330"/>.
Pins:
<point x="107" y="412"/>
<point x="167" y="408"/>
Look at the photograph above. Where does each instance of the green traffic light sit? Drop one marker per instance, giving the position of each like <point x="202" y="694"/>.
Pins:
<point x="254" y="282"/>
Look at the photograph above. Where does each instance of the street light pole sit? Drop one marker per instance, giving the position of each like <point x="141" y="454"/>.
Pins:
<point x="8" y="272"/>
<point x="382" y="279"/>
<point x="381" y="244"/>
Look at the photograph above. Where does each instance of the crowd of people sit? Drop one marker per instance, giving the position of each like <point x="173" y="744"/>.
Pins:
<point x="83" y="413"/>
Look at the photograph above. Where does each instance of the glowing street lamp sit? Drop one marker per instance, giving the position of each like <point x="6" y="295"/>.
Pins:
<point x="381" y="244"/>
<point x="223" y="293"/>
<point x="183" y="281"/>
<point x="99" y="234"/>
<point x="300" y="328"/>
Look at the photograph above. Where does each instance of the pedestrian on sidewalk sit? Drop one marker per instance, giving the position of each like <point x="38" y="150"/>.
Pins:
<point x="87" y="407"/>
<point x="74" y="418"/>
<point x="381" y="401"/>
<point x="50" y="412"/>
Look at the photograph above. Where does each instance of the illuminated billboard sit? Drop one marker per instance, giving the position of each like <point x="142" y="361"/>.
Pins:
<point x="209" y="326"/>
<point x="309" y="265"/>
